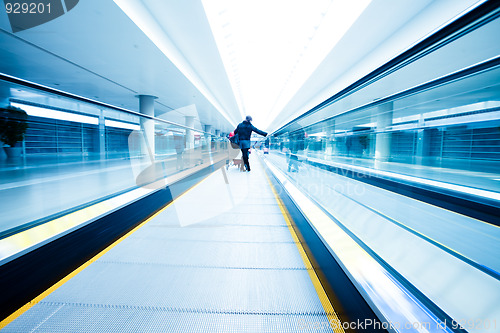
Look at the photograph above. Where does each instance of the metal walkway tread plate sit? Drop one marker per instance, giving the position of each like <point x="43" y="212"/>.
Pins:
<point x="70" y="318"/>
<point x="187" y="287"/>
<point x="217" y="254"/>
<point x="226" y="233"/>
<point x="205" y="266"/>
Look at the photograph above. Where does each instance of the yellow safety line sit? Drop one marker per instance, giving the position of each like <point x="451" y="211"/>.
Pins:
<point x="68" y="277"/>
<point x="332" y="316"/>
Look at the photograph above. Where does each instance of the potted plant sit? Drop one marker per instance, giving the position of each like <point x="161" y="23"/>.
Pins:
<point x="13" y="125"/>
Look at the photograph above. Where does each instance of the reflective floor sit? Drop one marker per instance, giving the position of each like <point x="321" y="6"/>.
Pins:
<point x="52" y="186"/>
<point x="56" y="187"/>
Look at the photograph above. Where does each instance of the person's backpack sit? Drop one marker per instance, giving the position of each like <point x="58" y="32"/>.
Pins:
<point x="235" y="141"/>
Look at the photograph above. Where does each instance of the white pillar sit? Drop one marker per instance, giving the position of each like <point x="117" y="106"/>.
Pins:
<point x="189" y="133"/>
<point x="208" y="130"/>
<point x="208" y="140"/>
<point x="217" y="136"/>
<point x="146" y="107"/>
<point x="208" y="136"/>
<point x="383" y="139"/>
<point x="102" y="135"/>
<point x="420" y="153"/>
<point x="329" y="149"/>
<point x="4" y="101"/>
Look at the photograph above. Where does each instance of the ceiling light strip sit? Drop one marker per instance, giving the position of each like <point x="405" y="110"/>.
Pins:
<point x="139" y="14"/>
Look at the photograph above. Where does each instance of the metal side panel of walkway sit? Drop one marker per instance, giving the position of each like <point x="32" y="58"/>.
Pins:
<point x="220" y="258"/>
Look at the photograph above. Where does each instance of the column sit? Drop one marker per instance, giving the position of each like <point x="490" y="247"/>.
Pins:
<point x="208" y="140"/>
<point x="420" y="141"/>
<point x="330" y="143"/>
<point x="218" y="144"/>
<point x="383" y="139"/>
<point x="189" y="132"/>
<point x="4" y="101"/>
<point x="102" y="135"/>
<point x="208" y="137"/>
<point x="146" y="107"/>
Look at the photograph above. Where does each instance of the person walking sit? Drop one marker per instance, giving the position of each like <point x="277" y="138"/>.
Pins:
<point x="244" y="131"/>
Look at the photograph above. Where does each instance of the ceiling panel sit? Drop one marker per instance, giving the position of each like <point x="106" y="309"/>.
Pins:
<point x="96" y="51"/>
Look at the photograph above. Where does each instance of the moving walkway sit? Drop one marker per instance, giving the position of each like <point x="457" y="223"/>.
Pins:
<point x="220" y="257"/>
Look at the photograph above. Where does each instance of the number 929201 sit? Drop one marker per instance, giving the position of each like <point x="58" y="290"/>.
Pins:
<point x="27" y="8"/>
